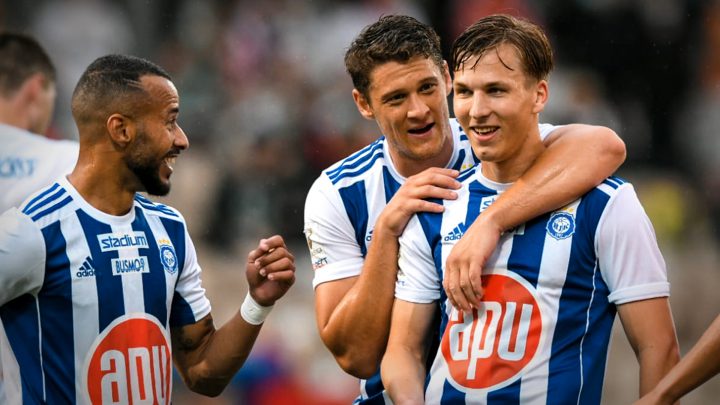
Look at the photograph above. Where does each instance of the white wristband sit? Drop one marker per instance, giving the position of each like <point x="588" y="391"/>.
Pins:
<point x="252" y="312"/>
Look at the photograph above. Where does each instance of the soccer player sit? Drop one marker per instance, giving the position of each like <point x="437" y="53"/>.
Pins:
<point x="28" y="160"/>
<point x="402" y="82"/>
<point x="700" y="364"/>
<point x="96" y="280"/>
<point x="553" y="284"/>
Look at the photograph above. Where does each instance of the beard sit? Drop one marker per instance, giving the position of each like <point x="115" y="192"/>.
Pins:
<point x="146" y="167"/>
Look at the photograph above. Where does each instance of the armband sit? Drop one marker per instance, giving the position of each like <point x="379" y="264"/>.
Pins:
<point x="252" y="312"/>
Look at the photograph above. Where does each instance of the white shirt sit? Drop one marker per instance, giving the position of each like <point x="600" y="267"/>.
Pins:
<point x="29" y="162"/>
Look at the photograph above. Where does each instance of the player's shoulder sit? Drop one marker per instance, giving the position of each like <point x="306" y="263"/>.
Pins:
<point x="612" y="185"/>
<point x="48" y="204"/>
<point x="20" y="139"/>
<point x="154" y="208"/>
<point x="357" y="165"/>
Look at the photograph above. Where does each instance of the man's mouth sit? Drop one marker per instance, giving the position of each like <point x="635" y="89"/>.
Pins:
<point x="170" y="160"/>
<point x="420" y="131"/>
<point x="484" y="132"/>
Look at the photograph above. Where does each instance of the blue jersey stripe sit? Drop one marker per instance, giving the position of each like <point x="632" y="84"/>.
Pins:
<point x="107" y="284"/>
<point x="567" y="372"/>
<point x="39" y="197"/>
<point x="153" y="282"/>
<point x="374" y="389"/>
<point x="53" y="208"/>
<point x="527" y="250"/>
<point x="391" y="185"/>
<point x="477" y="192"/>
<point x="56" y="318"/>
<point x="156" y="207"/>
<point x="176" y="232"/>
<point x="355" y="202"/>
<point x="459" y="162"/>
<point x="431" y="224"/>
<point x="181" y="313"/>
<point x="29" y="210"/>
<point x="451" y="396"/>
<point x="356" y="158"/>
<point x="361" y="170"/>
<point x="506" y="395"/>
<point x="20" y="318"/>
<point x="594" y="345"/>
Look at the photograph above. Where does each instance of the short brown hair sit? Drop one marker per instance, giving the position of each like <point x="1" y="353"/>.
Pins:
<point x="492" y="31"/>
<point x="21" y="56"/>
<point x="395" y="38"/>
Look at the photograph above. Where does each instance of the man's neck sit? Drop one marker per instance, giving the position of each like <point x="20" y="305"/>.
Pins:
<point x="103" y="185"/>
<point x="511" y="169"/>
<point x="11" y="114"/>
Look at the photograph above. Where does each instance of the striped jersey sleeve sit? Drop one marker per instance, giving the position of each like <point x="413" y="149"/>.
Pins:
<point x="628" y="253"/>
<point x="22" y="256"/>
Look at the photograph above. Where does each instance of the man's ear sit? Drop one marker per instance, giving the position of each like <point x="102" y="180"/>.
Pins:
<point x="121" y="128"/>
<point x="541" y="96"/>
<point x="447" y="77"/>
<point x="363" y="105"/>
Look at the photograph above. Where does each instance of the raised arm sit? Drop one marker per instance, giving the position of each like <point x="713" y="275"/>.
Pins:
<point x="650" y="330"/>
<point x="578" y="157"/>
<point x="353" y="314"/>
<point x="208" y="358"/>
<point x="700" y="364"/>
<point x="403" y="366"/>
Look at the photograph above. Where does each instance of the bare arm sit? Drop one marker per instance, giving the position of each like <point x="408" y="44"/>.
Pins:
<point x="207" y="358"/>
<point x="650" y="330"/>
<point x="700" y="364"/>
<point x="578" y="158"/>
<point x="403" y="366"/>
<point x="355" y="335"/>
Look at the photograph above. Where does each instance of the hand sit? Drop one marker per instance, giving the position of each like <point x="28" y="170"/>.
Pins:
<point x="411" y="197"/>
<point x="270" y="270"/>
<point x="463" y="269"/>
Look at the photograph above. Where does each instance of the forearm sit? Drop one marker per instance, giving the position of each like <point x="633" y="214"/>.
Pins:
<point x="357" y="331"/>
<point x="208" y="369"/>
<point x="403" y="375"/>
<point x="700" y="364"/>
<point x="569" y="167"/>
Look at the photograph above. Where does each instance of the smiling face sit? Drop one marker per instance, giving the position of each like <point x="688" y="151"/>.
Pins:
<point x="409" y="103"/>
<point x="498" y="104"/>
<point x="159" y="138"/>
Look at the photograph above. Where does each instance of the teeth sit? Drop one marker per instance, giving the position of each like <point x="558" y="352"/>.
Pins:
<point x="485" y="130"/>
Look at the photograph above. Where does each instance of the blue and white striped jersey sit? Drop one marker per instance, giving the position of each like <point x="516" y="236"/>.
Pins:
<point x="87" y="299"/>
<point x="550" y="293"/>
<point x="345" y="201"/>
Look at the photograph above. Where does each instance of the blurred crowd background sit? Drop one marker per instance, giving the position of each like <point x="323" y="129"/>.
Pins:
<point x="266" y="104"/>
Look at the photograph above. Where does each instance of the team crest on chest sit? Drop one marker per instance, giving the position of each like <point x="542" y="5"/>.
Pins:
<point x="561" y="225"/>
<point x="168" y="258"/>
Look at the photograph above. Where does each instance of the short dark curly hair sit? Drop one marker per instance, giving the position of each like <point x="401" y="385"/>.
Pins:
<point x="107" y="83"/>
<point x="395" y="38"/>
<point x="492" y="31"/>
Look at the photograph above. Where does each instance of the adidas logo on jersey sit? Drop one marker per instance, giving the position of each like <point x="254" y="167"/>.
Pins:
<point x="456" y="233"/>
<point x="86" y="269"/>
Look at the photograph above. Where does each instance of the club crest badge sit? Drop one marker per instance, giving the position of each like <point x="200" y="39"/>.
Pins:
<point x="561" y="225"/>
<point x="168" y="258"/>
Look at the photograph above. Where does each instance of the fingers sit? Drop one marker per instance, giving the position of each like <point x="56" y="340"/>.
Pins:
<point x="267" y="246"/>
<point x="274" y="270"/>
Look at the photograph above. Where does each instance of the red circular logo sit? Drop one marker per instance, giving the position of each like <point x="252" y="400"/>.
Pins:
<point x="489" y="347"/>
<point x="130" y="363"/>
